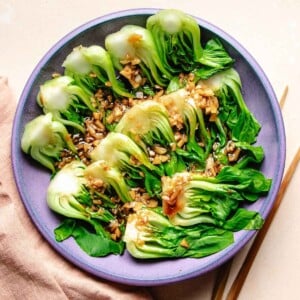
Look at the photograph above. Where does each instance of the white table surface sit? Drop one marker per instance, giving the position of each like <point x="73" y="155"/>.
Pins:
<point x="269" y="30"/>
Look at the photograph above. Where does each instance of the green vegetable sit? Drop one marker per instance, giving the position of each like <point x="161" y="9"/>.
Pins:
<point x="67" y="102"/>
<point x="192" y="198"/>
<point x="119" y="151"/>
<point x="244" y="219"/>
<point x="248" y="155"/>
<point x="44" y="139"/>
<point x="249" y="182"/>
<point x="253" y="154"/>
<point x="149" y="235"/>
<point x="214" y="59"/>
<point x="93" y="244"/>
<point x="147" y="123"/>
<point x="182" y="104"/>
<point x="176" y="164"/>
<point x="92" y="68"/>
<point x="135" y="43"/>
<point x="177" y="38"/>
<point x="233" y="109"/>
<point x="112" y="176"/>
<point x="67" y="196"/>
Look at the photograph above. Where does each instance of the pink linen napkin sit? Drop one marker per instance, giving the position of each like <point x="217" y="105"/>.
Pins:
<point x="29" y="267"/>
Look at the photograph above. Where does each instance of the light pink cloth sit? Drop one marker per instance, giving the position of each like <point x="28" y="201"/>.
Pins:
<point x="29" y="267"/>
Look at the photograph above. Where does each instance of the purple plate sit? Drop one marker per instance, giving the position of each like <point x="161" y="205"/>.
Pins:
<point x="32" y="180"/>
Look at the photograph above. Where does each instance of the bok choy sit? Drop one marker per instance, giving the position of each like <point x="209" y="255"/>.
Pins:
<point x="68" y="196"/>
<point x="44" y="139"/>
<point x="177" y="38"/>
<point x="149" y="234"/>
<point x="191" y="198"/>
<point x="135" y="45"/>
<point x="91" y="67"/>
<point x="67" y="102"/>
<point x="234" y="111"/>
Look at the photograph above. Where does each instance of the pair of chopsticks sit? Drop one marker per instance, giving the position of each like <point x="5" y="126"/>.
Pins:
<point x="224" y="271"/>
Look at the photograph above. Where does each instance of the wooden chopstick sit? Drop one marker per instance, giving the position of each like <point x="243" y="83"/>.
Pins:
<point x="221" y="280"/>
<point x="283" y="96"/>
<point x="243" y="272"/>
<point x="224" y="270"/>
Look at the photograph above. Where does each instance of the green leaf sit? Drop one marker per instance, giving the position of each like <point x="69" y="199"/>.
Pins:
<point x="246" y="128"/>
<point x="95" y="245"/>
<point x="84" y="197"/>
<point x="254" y="180"/>
<point x="189" y="156"/>
<point x="148" y="90"/>
<point x="174" y="85"/>
<point x="244" y="219"/>
<point x="174" y="165"/>
<point x="152" y="184"/>
<point x="212" y="241"/>
<point x="214" y="59"/>
<point x="64" y="230"/>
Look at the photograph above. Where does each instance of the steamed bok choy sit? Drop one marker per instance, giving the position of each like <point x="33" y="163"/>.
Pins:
<point x="67" y="101"/>
<point x="112" y="176"/>
<point x="150" y="143"/>
<point x="91" y="67"/>
<point x="149" y="234"/>
<point x="180" y="104"/>
<point x="177" y="37"/>
<point x="119" y="149"/>
<point x="44" y="139"/>
<point x="68" y="196"/>
<point x="234" y="111"/>
<point x="147" y="123"/>
<point x="213" y="60"/>
<point x="190" y="198"/>
<point x="123" y="153"/>
<point x="135" y="45"/>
